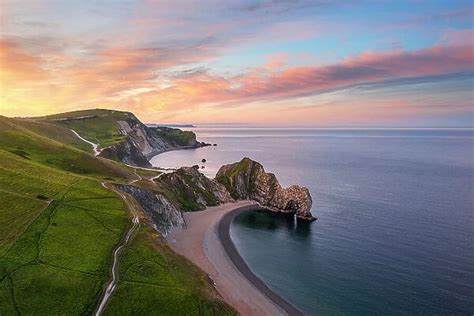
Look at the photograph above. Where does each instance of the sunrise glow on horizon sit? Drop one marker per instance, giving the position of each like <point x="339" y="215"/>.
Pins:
<point x="311" y="63"/>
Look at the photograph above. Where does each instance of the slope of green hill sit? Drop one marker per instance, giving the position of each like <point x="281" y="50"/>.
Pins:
<point x="45" y="146"/>
<point x="58" y="231"/>
<point x="160" y="279"/>
<point x="59" y="227"/>
<point x="97" y="126"/>
<point x="54" y="132"/>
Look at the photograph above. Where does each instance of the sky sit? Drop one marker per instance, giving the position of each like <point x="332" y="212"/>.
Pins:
<point x="303" y="63"/>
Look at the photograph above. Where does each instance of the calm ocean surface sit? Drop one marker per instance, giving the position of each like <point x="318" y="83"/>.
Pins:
<point x="395" y="233"/>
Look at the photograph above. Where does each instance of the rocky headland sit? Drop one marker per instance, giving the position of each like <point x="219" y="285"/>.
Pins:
<point x="71" y="149"/>
<point x="121" y="136"/>
<point x="143" y="142"/>
<point x="247" y="180"/>
<point x="188" y="190"/>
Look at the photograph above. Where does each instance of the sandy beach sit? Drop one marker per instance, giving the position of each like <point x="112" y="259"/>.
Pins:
<point x="206" y="242"/>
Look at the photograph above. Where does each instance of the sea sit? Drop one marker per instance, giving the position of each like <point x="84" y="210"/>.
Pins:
<point x="395" y="228"/>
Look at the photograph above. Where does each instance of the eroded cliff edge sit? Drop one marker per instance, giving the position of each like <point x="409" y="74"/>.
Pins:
<point x="121" y="136"/>
<point x="188" y="190"/>
<point x="142" y="142"/>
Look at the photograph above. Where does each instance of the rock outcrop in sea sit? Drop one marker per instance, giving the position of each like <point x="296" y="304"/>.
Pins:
<point x="247" y="179"/>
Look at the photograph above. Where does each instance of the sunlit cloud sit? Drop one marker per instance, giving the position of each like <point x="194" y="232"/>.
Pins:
<point x="258" y="61"/>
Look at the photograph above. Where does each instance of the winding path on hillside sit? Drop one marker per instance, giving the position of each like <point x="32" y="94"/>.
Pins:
<point x="115" y="260"/>
<point x="98" y="151"/>
<point x="135" y="224"/>
<point x="94" y="146"/>
<point x="115" y="263"/>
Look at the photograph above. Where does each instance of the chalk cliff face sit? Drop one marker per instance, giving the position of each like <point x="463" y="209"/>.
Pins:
<point x="248" y="180"/>
<point x="126" y="152"/>
<point x="144" y="142"/>
<point x="162" y="212"/>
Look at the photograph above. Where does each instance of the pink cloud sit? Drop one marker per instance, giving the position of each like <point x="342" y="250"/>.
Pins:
<point x="277" y="60"/>
<point x="457" y="36"/>
<point x="264" y="85"/>
<point x="16" y="64"/>
<point x="363" y="68"/>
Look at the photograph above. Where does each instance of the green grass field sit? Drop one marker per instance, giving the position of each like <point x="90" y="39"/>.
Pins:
<point x="55" y="132"/>
<point x="18" y="139"/>
<point x="97" y="126"/>
<point x="59" y="227"/>
<point x="164" y="282"/>
<point x="54" y="255"/>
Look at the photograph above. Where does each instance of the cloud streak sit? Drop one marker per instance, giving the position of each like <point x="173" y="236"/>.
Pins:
<point x="270" y="84"/>
<point x="167" y="61"/>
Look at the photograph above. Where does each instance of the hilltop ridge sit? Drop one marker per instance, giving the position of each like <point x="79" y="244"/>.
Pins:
<point x="121" y="136"/>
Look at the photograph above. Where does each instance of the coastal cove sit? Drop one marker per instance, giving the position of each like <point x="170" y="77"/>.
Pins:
<point x="374" y="241"/>
<point x="131" y="208"/>
<point x="206" y="242"/>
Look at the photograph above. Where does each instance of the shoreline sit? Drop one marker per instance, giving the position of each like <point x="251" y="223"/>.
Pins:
<point x="223" y="229"/>
<point x="201" y="243"/>
<point x="154" y="153"/>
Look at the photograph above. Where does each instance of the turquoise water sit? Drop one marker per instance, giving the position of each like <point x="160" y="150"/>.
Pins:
<point x="395" y="233"/>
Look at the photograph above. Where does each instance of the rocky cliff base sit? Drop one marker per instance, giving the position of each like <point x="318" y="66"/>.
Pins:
<point x="162" y="212"/>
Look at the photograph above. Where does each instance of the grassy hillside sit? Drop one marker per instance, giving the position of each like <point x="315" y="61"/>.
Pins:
<point x="55" y="132"/>
<point x="22" y="139"/>
<point x="54" y="253"/>
<point x="97" y="126"/>
<point x="59" y="227"/>
<point x="160" y="280"/>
